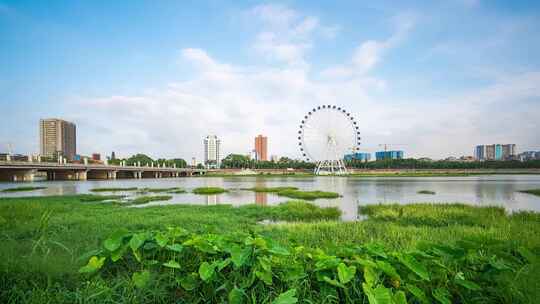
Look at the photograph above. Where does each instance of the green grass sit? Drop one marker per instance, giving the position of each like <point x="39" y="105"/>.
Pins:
<point x="44" y="238"/>
<point x="161" y="190"/>
<point x="149" y="198"/>
<point x="20" y="189"/>
<point x="114" y="189"/>
<point x="270" y="189"/>
<point x="532" y="191"/>
<point x="98" y="198"/>
<point x="426" y="192"/>
<point x="307" y="195"/>
<point x="209" y="190"/>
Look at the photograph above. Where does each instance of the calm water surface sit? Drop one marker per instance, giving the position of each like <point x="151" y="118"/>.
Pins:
<point x="498" y="190"/>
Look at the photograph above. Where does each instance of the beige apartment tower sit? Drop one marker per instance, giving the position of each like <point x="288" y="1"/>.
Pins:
<point x="57" y="137"/>
<point x="261" y="147"/>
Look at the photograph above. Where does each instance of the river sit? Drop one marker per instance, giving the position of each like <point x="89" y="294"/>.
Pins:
<point x="500" y="190"/>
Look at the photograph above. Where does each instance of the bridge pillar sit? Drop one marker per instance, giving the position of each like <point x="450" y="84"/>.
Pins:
<point x="81" y="175"/>
<point x="17" y="175"/>
<point x="111" y="175"/>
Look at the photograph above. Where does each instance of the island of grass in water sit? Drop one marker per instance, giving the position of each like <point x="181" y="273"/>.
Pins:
<point x="209" y="190"/>
<point x="23" y="189"/>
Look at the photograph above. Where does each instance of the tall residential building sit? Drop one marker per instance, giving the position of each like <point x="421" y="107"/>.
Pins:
<point x="211" y="152"/>
<point x="381" y="155"/>
<point x="57" y="137"/>
<point x="495" y="152"/>
<point x="261" y="147"/>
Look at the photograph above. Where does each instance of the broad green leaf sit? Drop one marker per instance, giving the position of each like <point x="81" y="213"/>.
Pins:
<point x="333" y="282"/>
<point x="141" y="279"/>
<point x="288" y="297"/>
<point x="388" y="269"/>
<point x="327" y="262"/>
<point x="527" y="254"/>
<point x="257" y="242"/>
<point x="400" y="298"/>
<point x="222" y="264"/>
<point x="265" y="263"/>
<point x="239" y="255"/>
<point x="499" y="264"/>
<point x="370" y="276"/>
<point x="376" y="249"/>
<point x="293" y="273"/>
<point x="379" y="295"/>
<point x="365" y="262"/>
<point x="94" y="264"/>
<point x="206" y="271"/>
<point x="119" y="253"/>
<point x="278" y="250"/>
<point x="172" y="264"/>
<point x="468" y="284"/>
<point x="137" y="240"/>
<point x="442" y="295"/>
<point x="236" y="296"/>
<point x="265" y="276"/>
<point x="346" y="274"/>
<point x="188" y="282"/>
<point x="161" y="239"/>
<point x="414" y="265"/>
<point x="115" y="240"/>
<point x="417" y="293"/>
<point x="175" y="247"/>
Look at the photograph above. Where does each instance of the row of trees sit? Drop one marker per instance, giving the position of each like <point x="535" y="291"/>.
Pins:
<point x="411" y="163"/>
<point x="241" y="161"/>
<point x="238" y="161"/>
<point x="144" y="159"/>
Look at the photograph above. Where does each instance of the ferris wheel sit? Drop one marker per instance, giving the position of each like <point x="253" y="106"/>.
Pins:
<point x="327" y="133"/>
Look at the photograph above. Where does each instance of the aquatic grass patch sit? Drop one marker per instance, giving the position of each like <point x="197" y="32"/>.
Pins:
<point x="218" y="268"/>
<point x="308" y="195"/>
<point x="22" y="189"/>
<point x="99" y="198"/>
<point x="291" y="211"/>
<point x="270" y="189"/>
<point x="426" y="192"/>
<point x="209" y="190"/>
<point x="114" y="189"/>
<point x="161" y="190"/>
<point x="531" y="191"/>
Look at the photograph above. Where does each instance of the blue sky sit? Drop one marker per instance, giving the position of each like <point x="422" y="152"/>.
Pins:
<point x="157" y="76"/>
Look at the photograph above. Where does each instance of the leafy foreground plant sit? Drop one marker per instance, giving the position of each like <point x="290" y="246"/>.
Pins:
<point x="241" y="268"/>
<point x="307" y="195"/>
<point x="20" y="189"/>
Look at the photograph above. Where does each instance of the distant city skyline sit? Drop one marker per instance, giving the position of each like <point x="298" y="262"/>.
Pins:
<point x="438" y="76"/>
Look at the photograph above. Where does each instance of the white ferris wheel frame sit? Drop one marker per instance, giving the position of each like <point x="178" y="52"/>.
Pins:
<point x="333" y="163"/>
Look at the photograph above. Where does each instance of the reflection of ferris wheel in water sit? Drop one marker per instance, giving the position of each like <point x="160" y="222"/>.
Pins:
<point x="327" y="133"/>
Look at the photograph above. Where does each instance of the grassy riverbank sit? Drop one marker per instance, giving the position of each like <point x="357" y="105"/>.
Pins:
<point x="532" y="191"/>
<point x="44" y="237"/>
<point x="22" y="189"/>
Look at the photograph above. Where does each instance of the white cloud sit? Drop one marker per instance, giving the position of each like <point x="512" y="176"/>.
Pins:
<point x="286" y="35"/>
<point x="237" y="102"/>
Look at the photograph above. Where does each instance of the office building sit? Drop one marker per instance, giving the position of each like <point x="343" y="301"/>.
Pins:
<point x="212" y="158"/>
<point x="383" y="155"/>
<point x="261" y="147"/>
<point x="57" y="138"/>
<point x="365" y="157"/>
<point x="96" y="156"/>
<point x="529" y="155"/>
<point x="495" y="152"/>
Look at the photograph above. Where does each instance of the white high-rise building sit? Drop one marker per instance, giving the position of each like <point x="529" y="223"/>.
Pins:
<point x="212" y="158"/>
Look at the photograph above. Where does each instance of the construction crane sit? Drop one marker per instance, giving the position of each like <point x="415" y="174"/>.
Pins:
<point x="386" y="146"/>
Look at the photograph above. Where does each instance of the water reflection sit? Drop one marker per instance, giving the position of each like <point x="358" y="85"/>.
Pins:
<point x="479" y="190"/>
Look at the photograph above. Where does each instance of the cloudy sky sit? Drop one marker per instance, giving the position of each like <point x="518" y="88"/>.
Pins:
<point x="435" y="77"/>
